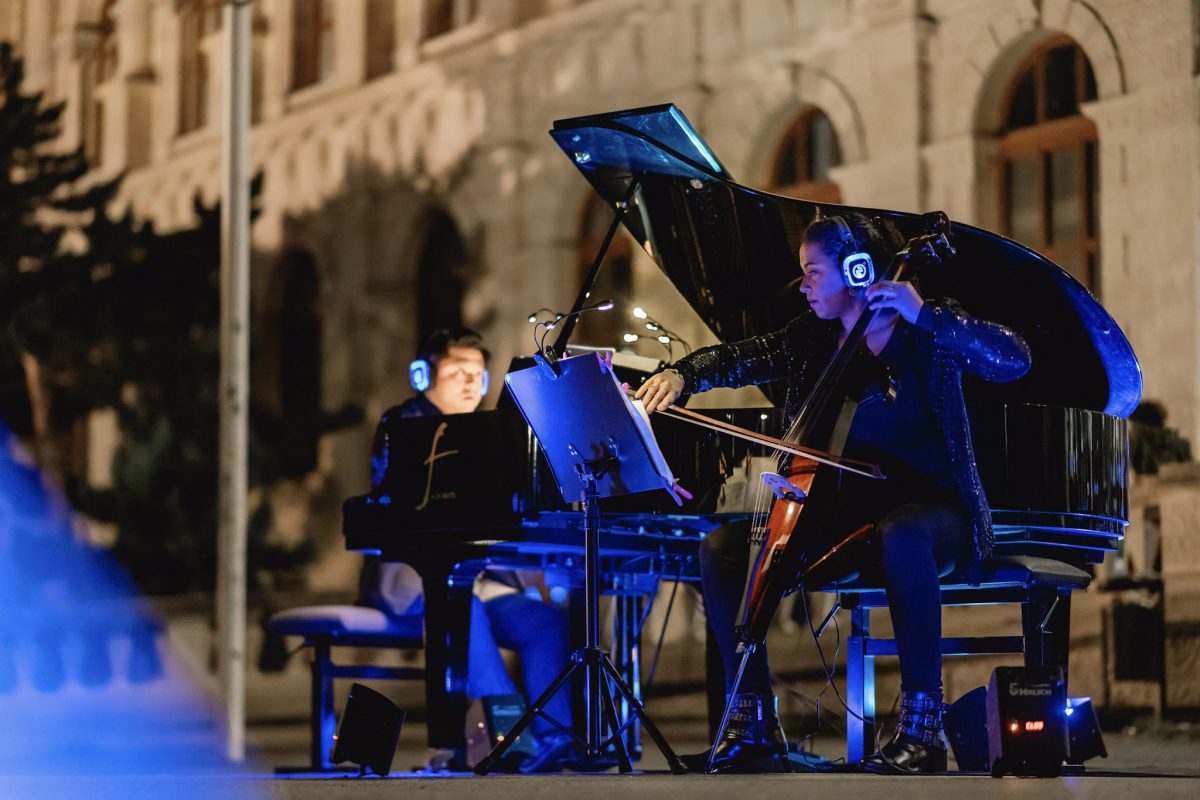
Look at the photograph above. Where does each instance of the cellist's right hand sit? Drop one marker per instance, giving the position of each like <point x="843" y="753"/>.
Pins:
<point x="660" y="391"/>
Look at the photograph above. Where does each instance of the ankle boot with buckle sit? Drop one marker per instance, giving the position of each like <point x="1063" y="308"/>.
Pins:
<point x="753" y="740"/>
<point x="916" y="748"/>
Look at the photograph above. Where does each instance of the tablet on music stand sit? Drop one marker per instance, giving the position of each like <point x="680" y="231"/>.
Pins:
<point x="579" y="412"/>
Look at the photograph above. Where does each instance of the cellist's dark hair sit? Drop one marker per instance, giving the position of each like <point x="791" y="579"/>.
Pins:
<point x="875" y="236"/>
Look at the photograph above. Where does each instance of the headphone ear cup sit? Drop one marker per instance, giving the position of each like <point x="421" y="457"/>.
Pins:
<point x="420" y="374"/>
<point x="858" y="270"/>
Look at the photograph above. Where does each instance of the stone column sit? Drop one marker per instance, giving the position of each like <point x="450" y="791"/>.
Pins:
<point x="132" y="20"/>
<point x="409" y="23"/>
<point x="213" y="46"/>
<point x="277" y="57"/>
<point x="36" y="42"/>
<point x="133" y="85"/>
<point x="1147" y="166"/>
<point x="950" y="177"/>
<point x="350" y="41"/>
<point x="163" y="61"/>
<point x="72" y="45"/>
<point x="1179" y="501"/>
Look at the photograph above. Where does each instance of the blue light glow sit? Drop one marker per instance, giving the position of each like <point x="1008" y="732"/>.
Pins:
<point x="95" y="702"/>
<point x="700" y="145"/>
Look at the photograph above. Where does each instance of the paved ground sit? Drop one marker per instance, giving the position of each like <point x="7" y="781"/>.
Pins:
<point x="605" y="787"/>
<point x="183" y="767"/>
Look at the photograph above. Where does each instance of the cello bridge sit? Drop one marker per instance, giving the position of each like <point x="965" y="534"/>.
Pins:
<point x="781" y="488"/>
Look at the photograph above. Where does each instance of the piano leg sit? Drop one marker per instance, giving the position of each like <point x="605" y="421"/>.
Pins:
<point x="447" y="635"/>
<point x="714" y="681"/>
<point x="627" y="660"/>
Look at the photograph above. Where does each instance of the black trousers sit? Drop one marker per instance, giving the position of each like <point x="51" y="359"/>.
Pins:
<point x="914" y="544"/>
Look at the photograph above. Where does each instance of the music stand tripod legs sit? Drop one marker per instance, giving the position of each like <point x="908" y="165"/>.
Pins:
<point x="600" y="676"/>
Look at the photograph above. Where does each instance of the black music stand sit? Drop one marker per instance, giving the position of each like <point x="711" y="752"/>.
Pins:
<point x="599" y="444"/>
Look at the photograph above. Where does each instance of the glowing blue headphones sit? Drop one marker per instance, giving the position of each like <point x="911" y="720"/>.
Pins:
<point x="420" y="375"/>
<point x="858" y="270"/>
<point x="421" y="370"/>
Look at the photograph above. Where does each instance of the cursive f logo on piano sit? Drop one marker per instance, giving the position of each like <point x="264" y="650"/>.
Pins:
<point x="432" y="459"/>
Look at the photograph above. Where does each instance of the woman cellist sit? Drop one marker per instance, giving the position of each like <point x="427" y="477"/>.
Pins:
<point x="930" y="515"/>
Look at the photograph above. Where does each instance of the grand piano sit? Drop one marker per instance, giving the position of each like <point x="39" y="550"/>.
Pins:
<point x="1052" y="447"/>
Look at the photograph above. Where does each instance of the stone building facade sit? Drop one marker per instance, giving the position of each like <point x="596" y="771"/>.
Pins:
<point x="409" y="180"/>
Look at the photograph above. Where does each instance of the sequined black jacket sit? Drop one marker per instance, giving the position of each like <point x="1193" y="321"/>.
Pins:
<point x="956" y="343"/>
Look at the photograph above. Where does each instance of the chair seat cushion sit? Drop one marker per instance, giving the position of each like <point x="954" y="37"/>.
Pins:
<point x="343" y="621"/>
<point x="1029" y="570"/>
<point x="1003" y="570"/>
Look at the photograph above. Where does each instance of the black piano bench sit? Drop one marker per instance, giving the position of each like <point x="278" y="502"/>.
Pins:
<point x="326" y="627"/>
<point x="1042" y="586"/>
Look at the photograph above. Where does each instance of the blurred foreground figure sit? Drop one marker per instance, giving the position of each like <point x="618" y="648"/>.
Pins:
<point x="86" y="695"/>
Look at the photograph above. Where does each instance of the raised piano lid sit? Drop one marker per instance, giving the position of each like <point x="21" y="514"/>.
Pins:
<point x="732" y="252"/>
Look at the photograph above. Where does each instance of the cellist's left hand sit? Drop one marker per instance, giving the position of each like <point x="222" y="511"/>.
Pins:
<point x="898" y="296"/>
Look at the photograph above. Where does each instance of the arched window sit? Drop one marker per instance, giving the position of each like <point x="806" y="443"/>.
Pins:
<point x="1048" y="185"/>
<point x="312" y="42"/>
<point x="614" y="282"/>
<point x="443" y="16"/>
<point x="299" y="366"/>
<point x="197" y="19"/>
<point x="97" y="69"/>
<point x="803" y="158"/>
<point x="381" y="37"/>
<point x="442" y="277"/>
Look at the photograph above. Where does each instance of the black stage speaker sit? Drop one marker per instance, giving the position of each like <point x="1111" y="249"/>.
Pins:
<point x="966" y="730"/>
<point x="1083" y="729"/>
<point x="369" y="732"/>
<point x="1027" y="721"/>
